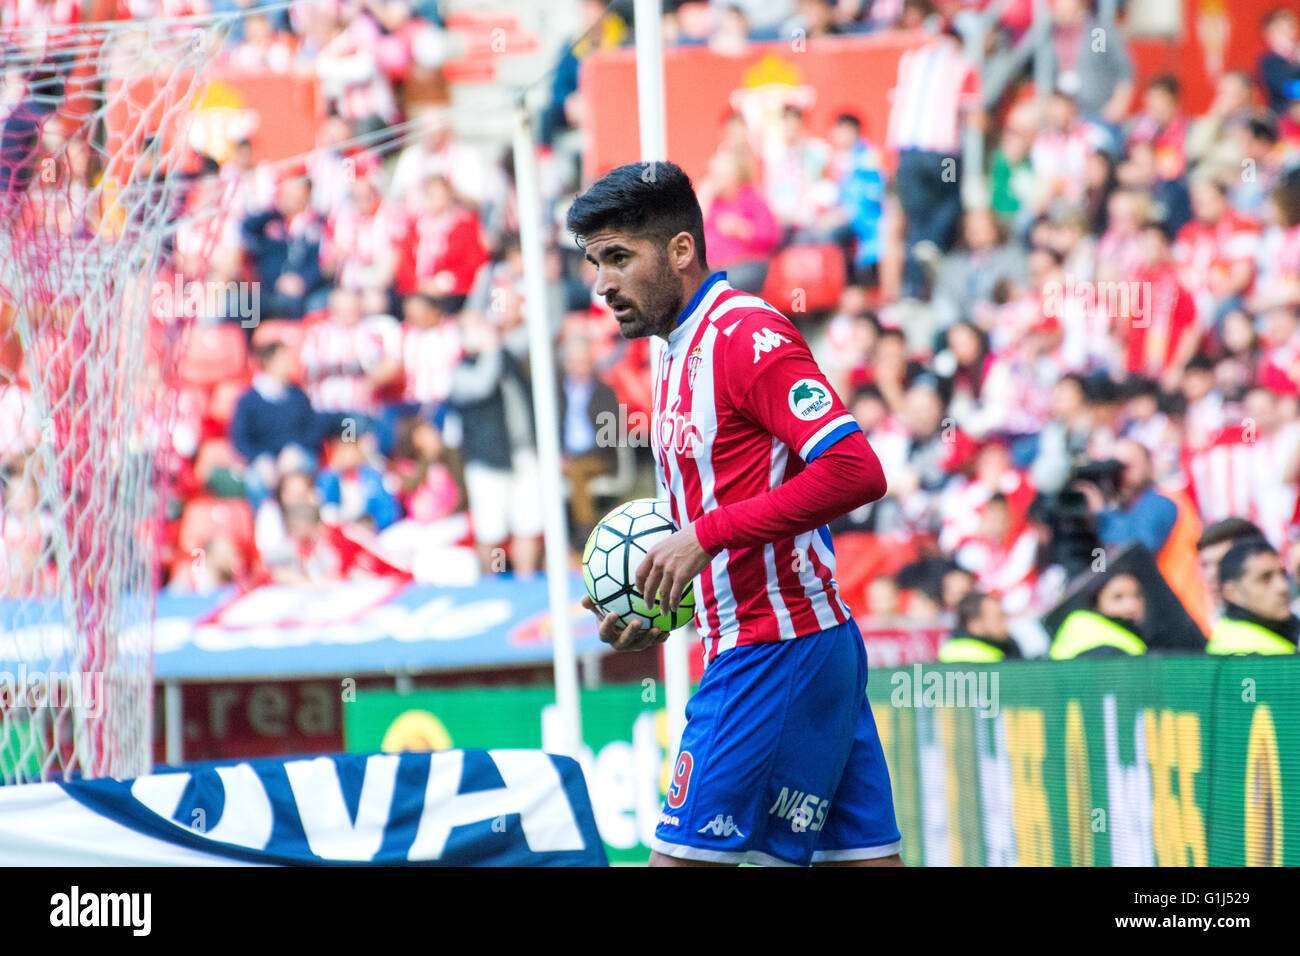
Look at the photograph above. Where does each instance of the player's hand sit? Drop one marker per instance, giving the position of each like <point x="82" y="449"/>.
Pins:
<point x="671" y="564"/>
<point x="628" y="638"/>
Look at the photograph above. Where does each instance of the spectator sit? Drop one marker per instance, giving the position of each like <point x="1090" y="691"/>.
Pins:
<point x="1132" y="511"/>
<point x="589" y="424"/>
<point x="925" y="123"/>
<point x="359" y="249"/>
<point x="218" y="565"/>
<point x="795" y="169"/>
<point x="296" y="487"/>
<point x="449" y="246"/>
<point x="430" y="353"/>
<point x="426" y="539"/>
<point x="968" y="277"/>
<point x="1098" y="77"/>
<point x="1257" y="616"/>
<point x="1159" y="326"/>
<point x="1215" y="252"/>
<point x="284" y="243"/>
<point x="1163" y="125"/>
<point x="354" y="491"/>
<point x="274" y="415"/>
<point x="491" y="396"/>
<point x="1111" y="627"/>
<point x="348" y="358"/>
<point x="739" y="230"/>
<point x="1215" y="541"/>
<point x="1280" y="63"/>
<point x="1211" y="137"/>
<point x="981" y="635"/>
<point x="855" y="166"/>
<point x="1059" y="156"/>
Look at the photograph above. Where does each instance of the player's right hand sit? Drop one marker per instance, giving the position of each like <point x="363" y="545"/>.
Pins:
<point x="628" y="638"/>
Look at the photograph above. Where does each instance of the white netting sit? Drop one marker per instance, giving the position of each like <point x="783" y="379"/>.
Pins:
<point x="93" y="187"/>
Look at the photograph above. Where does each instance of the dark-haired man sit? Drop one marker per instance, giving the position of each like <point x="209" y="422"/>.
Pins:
<point x="1257" y="616"/>
<point x="981" y="635"/>
<point x="1216" y="541"/>
<point x="780" y="762"/>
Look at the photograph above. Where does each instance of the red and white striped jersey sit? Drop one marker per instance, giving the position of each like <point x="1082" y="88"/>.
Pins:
<point x="935" y="83"/>
<point x="336" y="357"/>
<point x="361" y="244"/>
<point x="1240" y="475"/>
<point x="429" y="357"/>
<point x="739" y="407"/>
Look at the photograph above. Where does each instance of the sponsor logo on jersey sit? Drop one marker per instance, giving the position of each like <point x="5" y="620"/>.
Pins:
<point x="765" y="341"/>
<point x="809" y="399"/>
<point x="677" y="431"/>
<point x="805" y="811"/>
<point x="721" y="827"/>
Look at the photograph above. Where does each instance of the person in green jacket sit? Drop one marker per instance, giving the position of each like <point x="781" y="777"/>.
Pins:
<point x="1111" y="627"/>
<point x="1257" y="616"/>
<point x="981" y="635"/>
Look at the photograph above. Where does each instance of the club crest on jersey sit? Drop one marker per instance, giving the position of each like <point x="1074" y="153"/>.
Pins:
<point x="809" y="399"/>
<point x="693" y="365"/>
<point x="766" y="340"/>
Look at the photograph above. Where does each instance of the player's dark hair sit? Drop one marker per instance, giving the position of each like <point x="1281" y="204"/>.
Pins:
<point x="1233" y="565"/>
<point x="654" y="200"/>
<point x="1229" y="529"/>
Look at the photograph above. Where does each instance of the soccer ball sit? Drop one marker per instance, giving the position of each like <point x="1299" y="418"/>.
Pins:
<point x="615" y="549"/>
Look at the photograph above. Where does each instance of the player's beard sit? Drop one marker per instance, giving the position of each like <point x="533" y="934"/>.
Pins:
<point x="657" y="303"/>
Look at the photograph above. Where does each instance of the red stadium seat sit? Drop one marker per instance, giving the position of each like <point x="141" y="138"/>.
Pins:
<point x="221" y="403"/>
<point x="206" y="517"/>
<point x="806" y="279"/>
<point x="214" y="353"/>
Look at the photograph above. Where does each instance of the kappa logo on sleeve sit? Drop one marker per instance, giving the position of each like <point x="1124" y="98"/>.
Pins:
<point x="765" y="341"/>
<point x="809" y="399"/>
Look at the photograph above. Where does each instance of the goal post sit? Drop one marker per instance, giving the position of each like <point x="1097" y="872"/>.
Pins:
<point x="93" y="127"/>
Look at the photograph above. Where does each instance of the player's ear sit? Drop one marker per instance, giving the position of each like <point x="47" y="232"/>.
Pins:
<point x="681" y="250"/>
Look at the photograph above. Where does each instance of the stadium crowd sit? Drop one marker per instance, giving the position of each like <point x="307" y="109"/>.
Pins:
<point x="1097" y="348"/>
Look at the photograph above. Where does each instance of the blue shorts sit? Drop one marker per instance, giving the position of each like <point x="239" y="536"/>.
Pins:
<point x="780" y="762"/>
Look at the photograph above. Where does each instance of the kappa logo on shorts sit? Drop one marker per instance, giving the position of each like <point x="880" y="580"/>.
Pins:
<point x="721" y="827"/>
<point x="809" y="399"/>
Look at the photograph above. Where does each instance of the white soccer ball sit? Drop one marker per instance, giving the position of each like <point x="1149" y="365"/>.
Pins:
<point x="614" y="550"/>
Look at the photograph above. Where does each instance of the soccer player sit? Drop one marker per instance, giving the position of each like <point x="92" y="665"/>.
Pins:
<point x="780" y="762"/>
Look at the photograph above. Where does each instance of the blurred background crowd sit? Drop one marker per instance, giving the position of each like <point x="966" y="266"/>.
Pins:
<point x="1087" y="347"/>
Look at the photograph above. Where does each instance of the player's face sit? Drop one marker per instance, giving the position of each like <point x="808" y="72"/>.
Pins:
<point x="637" y="281"/>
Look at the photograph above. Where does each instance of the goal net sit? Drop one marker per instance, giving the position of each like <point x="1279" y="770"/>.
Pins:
<point x="96" y="180"/>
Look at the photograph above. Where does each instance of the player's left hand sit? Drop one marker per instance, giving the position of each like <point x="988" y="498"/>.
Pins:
<point x="669" y="566"/>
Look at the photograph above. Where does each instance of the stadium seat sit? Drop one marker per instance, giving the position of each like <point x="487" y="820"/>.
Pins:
<point x="221" y="403"/>
<point x="214" y="353"/>
<point x="818" y="272"/>
<point x="206" y="517"/>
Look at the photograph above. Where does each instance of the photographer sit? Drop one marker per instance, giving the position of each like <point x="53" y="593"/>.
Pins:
<point x="1122" y="496"/>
